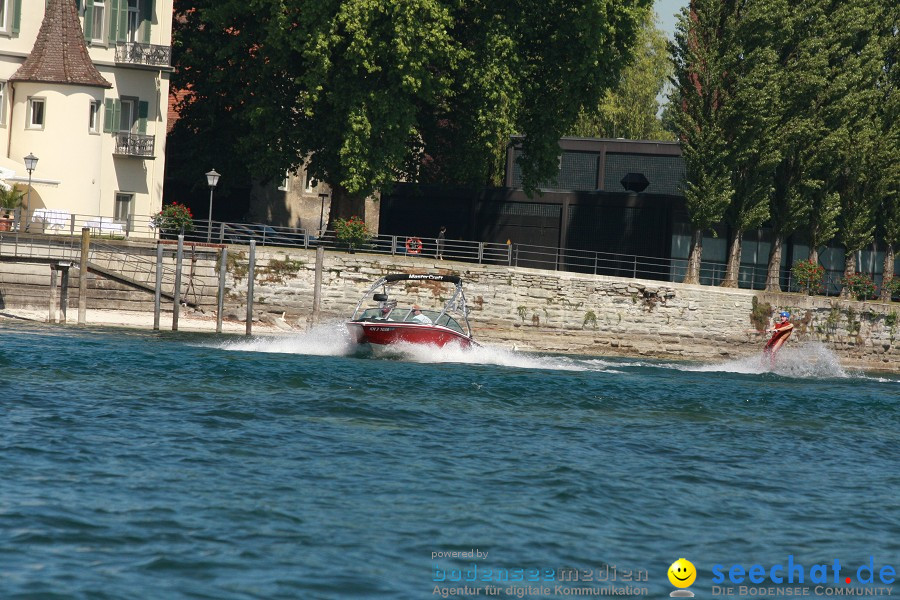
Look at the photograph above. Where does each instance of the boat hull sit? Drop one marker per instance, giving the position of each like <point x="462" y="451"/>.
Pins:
<point x="386" y="332"/>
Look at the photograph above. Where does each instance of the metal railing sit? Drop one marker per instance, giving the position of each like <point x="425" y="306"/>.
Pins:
<point x="630" y="266"/>
<point x="44" y="221"/>
<point x="112" y="260"/>
<point x="56" y="248"/>
<point x="135" y="144"/>
<point x="144" y="54"/>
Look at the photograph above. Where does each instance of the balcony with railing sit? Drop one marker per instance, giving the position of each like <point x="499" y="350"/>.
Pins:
<point x="136" y="53"/>
<point x="134" y="144"/>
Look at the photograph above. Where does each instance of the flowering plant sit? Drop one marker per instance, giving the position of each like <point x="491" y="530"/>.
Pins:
<point x="810" y="276"/>
<point x="860" y="286"/>
<point x="352" y="232"/>
<point x="892" y="284"/>
<point x="173" y="218"/>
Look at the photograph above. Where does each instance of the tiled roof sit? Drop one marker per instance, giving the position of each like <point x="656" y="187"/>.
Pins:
<point x="59" y="54"/>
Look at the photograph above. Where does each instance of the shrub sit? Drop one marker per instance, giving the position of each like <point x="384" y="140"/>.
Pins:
<point x="760" y="314"/>
<point x="810" y="276"/>
<point x="173" y="218"/>
<point x="352" y="232"/>
<point x="860" y="286"/>
<point x="10" y="199"/>
<point x="892" y="285"/>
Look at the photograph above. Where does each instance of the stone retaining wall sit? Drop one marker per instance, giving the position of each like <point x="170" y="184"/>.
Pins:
<point x="533" y="309"/>
<point x="567" y="312"/>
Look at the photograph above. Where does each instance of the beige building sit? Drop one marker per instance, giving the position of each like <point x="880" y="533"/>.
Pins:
<point x="299" y="201"/>
<point x="84" y="86"/>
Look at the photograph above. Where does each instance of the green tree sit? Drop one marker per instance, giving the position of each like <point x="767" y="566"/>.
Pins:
<point x="824" y="208"/>
<point x="221" y="63"/>
<point x="701" y="89"/>
<point x="368" y="91"/>
<point x="802" y="78"/>
<point x="631" y="109"/>
<point x="857" y="55"/>
<point x="751" y="116"/>
<point x="890" y="234"/>
<point x="888" y="111"/>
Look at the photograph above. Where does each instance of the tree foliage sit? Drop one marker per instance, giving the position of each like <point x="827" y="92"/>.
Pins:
<point x="368" y="91"/>
<point x="858" y="62"/>
<point x="701" y="89"/>
<point x="631" y="109"/>
<point x="751" y="116"/>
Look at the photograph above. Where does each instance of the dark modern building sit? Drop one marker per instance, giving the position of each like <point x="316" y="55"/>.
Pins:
<point x="616" y="207"/>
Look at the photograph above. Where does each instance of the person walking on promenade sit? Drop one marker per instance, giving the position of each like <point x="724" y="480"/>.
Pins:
<point x="442" y="235"/>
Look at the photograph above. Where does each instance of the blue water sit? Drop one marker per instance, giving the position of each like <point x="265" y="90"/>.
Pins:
<point x="140" y="465"/>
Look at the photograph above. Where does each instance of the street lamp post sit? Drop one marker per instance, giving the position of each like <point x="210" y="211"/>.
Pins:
<point x="212" y="178"/>
<point x="30" y="164"/>
<point x="322" y="197"/>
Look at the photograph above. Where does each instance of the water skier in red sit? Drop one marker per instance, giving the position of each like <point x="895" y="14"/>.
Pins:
<point x="782" y="331"/>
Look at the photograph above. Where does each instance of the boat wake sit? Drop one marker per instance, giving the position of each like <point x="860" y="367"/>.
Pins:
<point x="808" y="360"/>
<point x="490" y="355"/>
<point x="332" y="339"/>
<point x="327" y="339"/>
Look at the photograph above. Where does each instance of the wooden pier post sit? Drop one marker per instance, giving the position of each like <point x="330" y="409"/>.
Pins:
<point x="63" y="290"/>
<point x="176" y="308"/>
<point x="317" y="287"/>
<point x="83" y="274"/>
<point x="157" y="295"/>
<point x="53" y="293"/>
<point x="250" y="275"/>
<point x="220" y="306"/>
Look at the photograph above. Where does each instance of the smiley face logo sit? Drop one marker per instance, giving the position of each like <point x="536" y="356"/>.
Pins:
<point x="682" y="573"/>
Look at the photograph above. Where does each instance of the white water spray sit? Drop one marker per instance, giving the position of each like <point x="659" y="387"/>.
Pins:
<point x="807" y="360"/>
<point x="327" y="339"/>
<point x="332" y="339"/>
<point x="811" y="360"/>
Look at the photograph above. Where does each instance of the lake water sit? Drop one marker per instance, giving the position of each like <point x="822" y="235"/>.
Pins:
<point x="141" y="465"/>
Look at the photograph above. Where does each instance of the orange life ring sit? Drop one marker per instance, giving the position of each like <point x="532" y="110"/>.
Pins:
<point x="413" y="245"/>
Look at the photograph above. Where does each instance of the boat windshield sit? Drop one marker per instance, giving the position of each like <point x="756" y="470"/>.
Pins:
<point x="407" y="315"/>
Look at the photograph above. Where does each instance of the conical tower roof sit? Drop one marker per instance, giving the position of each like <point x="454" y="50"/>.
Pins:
<point x="59" y="54"/>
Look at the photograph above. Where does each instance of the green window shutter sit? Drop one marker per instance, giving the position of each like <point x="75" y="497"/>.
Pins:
<point x="146" y="19"/>
<point x="17" y="16"/>
<point x="88" y="19"/>
<point x="108" y="110"/>
<point x="122" y="29"/>
<point x="117" y="115"/>
<point x="143" y="111"/>
<point x="113" y="20"/>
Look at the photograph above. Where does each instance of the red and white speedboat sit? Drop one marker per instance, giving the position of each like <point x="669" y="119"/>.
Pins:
<point x="387" y="323"/>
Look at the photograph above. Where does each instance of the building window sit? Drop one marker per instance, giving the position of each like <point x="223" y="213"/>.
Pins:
<point x="94" y="117"/>
<point x="127" y="118"/>
<point x="285" y="185"/>
<point x="134" y="21"/>
<point x="36" y="113"/>
<point x="4" y="12"/>
<point x="2" y="102"/>
<point x="311" y="183"/>
<point x="98" y="20"/>
<point x="124" y="207"/>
